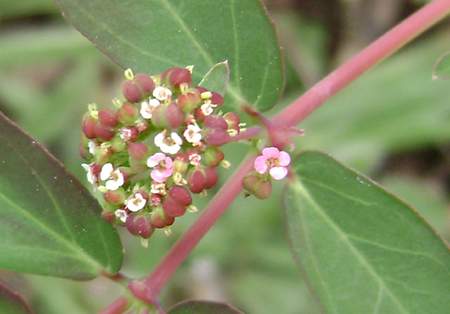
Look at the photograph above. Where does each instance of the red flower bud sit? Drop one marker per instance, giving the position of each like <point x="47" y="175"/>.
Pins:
<point x="108" y="117"/>
<point x="197" y="181"/>
<point x="131" y="91"/>
<point x="159" y="219"/>
<point x="181" y="195"/>
<point x="104" y="132"/>
<point x="216" y="122"/>
<point x="172" y="208"/>
<point x="168" y="117"/>
<point x="128" y="114"/>
<point x="232" y="120"/>
<point x="137" y="151"/>
<point x="139" y="225"/>
<point x="88" y="127"/>
<point x="145" y="83"/>
<point x="177" y="76"/>
<point x="108" y="216"/>
<point x="212" y="156"/>
<point x="211" y="177"/>
<point x="114" y="197"/>
<point x="216" y="99"/>
<point x="217" y="137"/>
<point x="189" y="101"/>
<point x="129" y="134"/>
<point x="258" y="186"/>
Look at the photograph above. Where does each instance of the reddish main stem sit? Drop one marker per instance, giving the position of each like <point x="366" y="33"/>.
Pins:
<point x="292" y="115"/>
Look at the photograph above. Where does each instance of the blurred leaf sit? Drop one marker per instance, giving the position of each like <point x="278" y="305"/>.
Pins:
<point x="11" y="9"/>
<point x="50" y="224"/>
<point x="150" y="36"/>
<point x="393" y="107"/>
<point x="217" y="78"/>
<point x="442" y="68"/>
<point x="361" y="248"/>
<point x="11" y="302"/>
<point x="203" y="307"/>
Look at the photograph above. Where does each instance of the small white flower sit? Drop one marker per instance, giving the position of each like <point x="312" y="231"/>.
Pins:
<point x="162" y="93"/>
<point x="91" y="147"/>
<point x="158" y="188"/>
<point x="207" y="108"/>
<point x="193" y="134"/>
<point x="114" y="178"/>
<point x="195" y="159"/>
<point x="135" y="202"/>
<point x="121" y="215"/>
<point x="168" y="143"/>
<point x="90" y="176"/>
<point x="148" y="106"/>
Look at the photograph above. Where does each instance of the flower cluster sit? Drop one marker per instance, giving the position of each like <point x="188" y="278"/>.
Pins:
<point x="159" y="145"/>
<point x="271" y="164"/>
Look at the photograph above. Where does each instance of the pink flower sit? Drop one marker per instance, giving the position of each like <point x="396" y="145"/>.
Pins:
<point x="162" y="167"/>
<point x="274" y="161"/>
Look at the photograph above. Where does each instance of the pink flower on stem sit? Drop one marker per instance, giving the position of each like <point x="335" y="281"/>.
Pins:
<point x="273" y="161"/>
<point x="162" y="167"/>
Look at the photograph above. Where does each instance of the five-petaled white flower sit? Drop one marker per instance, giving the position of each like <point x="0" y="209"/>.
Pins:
<point x="114" y="178"/>
<point x="195" y="159"/>
<point x="121" y="215"/>
<point x="169" y="143"/>
<point x="90" y="175"/>
<point x="135" y="202"/>
<point x="162" y="93"/>
<point x="207" y="108"/>
<point x="193" y="134"/>
<point x="148" y="106"/>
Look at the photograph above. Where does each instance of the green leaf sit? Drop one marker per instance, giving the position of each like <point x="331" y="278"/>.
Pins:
<point x="217" y="78"/>
<point x="11" y="302"/>
<point x="203" y="307"/>
<point x="50" y="224"/>
<point x="362" y="249"/>
<point x="152" y="35"/>
<point x="442" y="68"/>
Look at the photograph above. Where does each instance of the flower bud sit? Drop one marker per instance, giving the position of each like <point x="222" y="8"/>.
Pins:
<point x="216" y="137"/>
<point x="145" y="83"/>
<point x="216" y="122"/>
<point x="88" y="127"/>
<point x="181" y="195"/>
<point x="212" y="156"/>
<point x="116" y="197"/>
<point x="177" y="76"/>
<point x="159" y="219"/>
<point x="189" y="101"/>
<point x="108" y="216"/>
<point x="168" y="117"/>
<point x="232" y="120"/>
<point x="254" y="184"/>
<point x="129" y="134"/>
<point x="172" y="208"/>
<point x="211" y="177"/>
<point x="128" y="114"/>
<point x="197" y="181"/>
<point x="131" y="91"/>
<point x="108" y="117"/>
<point x="180" y="165"/>
<point x="216" y="99"/>
<point x="139" y="225"/>
<point x="138" y="151"/>
<point x="104" y="133"/>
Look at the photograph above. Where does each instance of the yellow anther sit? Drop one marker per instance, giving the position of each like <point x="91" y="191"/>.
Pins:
<point x="232" y="132"/>
<point x="184" y="88"/>
<point x="102" y="189"/>
<point x="93" y="111"/>
<point x="190" y="68"/>
<point x="144" y="242"/>
<point x="206" y="95"/>
<point x="129" y="75"/>
<point x="192" y="209"/>
<point x="167" y="231"/>
<point x="225" y="164"/>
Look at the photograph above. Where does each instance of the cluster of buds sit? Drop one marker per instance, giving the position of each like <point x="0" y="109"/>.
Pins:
<point x="272" y="164"/>
<point x="155" y="148"/>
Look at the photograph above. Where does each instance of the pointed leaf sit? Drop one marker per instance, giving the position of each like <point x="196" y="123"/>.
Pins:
<point x="152" y="35"/>
<point x="11" y="302"/>
<point x="203" y="307"/>
<point x="49" y="224"/>
<point x="362" y="249"/>
<point x="442" y="68"/>
<point x="217" y="78"/>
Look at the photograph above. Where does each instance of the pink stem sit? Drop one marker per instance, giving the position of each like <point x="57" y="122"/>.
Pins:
<point x="290" y="116"/>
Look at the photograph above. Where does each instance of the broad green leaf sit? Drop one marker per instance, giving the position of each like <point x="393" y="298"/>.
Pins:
<point x="362" y="249"/>
<point x="11" y="302"/>
<point x="217" y="78"/>
<point x="152" y="35"/>
<point x="50" y="224"/>
<point x="442" y="68"/>
<point x="203" y="307"/>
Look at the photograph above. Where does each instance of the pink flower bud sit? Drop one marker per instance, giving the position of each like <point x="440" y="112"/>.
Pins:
<point x="172" y="208"/>
<point x="131" y="91"/>
<point x="211" y="177"/>
<point x="177" y="76"/>
<point x="116" y="197"/>
<point x="128" y="114"/>
<point x="197" y="181"/>
<point x="212" y="156"/>
<point x="232" y="120"/>
<point x="217" y="137"/>
<point x="181" y="195"/>
<point x="108" y="117"/>
<point x="145" y="83"/>
<point x="88" y="127"/>
<point x="216" y="122"/>
<point x="129" y="134"/>
<point x="256" y="185"/>
<point x="139" y="225"/>
<point x="217" y="99"/>
<point x="189" y="101"/>
<point x="138" y="151"/>
<point x="104" y="132"/>
<point x="168" y="117"/>
<point x="159" y="219"/>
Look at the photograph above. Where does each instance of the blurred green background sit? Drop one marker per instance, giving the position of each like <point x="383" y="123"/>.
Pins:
<point x="393" y="124"/>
